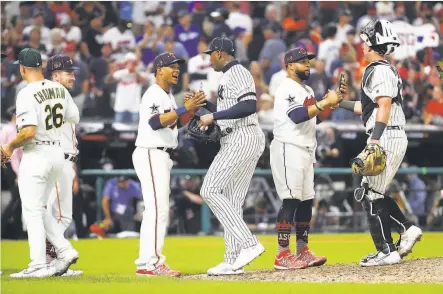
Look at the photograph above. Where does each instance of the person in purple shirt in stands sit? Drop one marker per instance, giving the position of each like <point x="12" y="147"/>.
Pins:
<point x="187" y="33"/>
<point x="118" y="205"/>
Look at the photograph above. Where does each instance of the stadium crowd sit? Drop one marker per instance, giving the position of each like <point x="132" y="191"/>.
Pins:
<point x="114" y="44"/>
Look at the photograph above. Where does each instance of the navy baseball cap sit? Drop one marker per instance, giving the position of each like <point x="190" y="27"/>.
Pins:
<point x="166" y="59"/>
<point x="296" y="54"/>
<point x="29" y="57"/>
<point x="220" y="44"/>
<point x="60" y="62"/>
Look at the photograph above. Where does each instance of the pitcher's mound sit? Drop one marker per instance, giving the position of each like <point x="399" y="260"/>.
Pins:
<point x="424" y="270"/>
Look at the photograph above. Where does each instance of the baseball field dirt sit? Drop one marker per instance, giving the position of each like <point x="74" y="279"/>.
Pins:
<point x="109" y="268"/>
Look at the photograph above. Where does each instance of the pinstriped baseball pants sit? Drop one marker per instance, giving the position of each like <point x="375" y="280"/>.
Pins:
<point x="395" y="143"/>
<point x="227" y="182"/>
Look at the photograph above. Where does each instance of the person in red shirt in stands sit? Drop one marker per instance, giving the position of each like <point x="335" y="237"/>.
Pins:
<point x="433" y="113"/>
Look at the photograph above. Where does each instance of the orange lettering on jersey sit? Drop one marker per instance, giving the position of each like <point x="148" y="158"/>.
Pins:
<point x="309" y="101"/>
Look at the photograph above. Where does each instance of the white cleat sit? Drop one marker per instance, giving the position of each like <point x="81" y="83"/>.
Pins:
<point x="224" y="269"/>
<point x="408" y="240"/>
<point x="64" y="260"/>
<point x="247" y="255"/>
<point x="72" y="273"/>
<point x="43" y="272"/>
<point x="381" y="259"/>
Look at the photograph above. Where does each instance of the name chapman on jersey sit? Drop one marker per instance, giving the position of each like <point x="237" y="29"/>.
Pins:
<point x="51" y="93"/>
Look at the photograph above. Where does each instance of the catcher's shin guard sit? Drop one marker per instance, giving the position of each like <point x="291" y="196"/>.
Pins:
<point x="379" y="224"/>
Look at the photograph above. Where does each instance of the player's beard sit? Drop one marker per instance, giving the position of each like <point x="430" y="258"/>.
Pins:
<point x="302" y="75"/>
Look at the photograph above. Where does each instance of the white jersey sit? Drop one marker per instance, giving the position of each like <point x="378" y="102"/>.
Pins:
<point x="236" y="85"/>
<point x="200" y="64"/>
<point x="129" y="91"/>
<point x="154" y="102"/>
<point x="69" y="139"/>
<point x="384" y="81"/>
<point x="47" y="105"/>
<point x="289" y="96"/>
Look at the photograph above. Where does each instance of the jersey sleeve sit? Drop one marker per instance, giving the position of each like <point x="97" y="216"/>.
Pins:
<point x="382" y="82"/>
<point x="242" y="84"/>
<point x="118" y="75"/>
<point x="26" y="112"/>
<point x="72" y="114"/>
<point x="293" y="100"/>
<point x="152" y="102"/>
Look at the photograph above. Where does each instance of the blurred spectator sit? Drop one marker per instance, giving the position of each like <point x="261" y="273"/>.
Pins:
<point x="70" y="33"/>
<point x="400" y="12"/>
<point x="343" y="26"/>
<point x="278" y="77"/>
<point x="257" y="74"/>
<point x="220" y="27"/>
<point x="352" y="94"/>
<point x="417" y="197"/>
<point x="121" y="39"/>
<point x="199" y="67"/>
<point x="270" y="53"/>
<point x="169" y="45"/>
<point x="49" y="15"/>
<point x="329" y="48"/>
<point x="129" y="89"/>
<point x="365" y="19"/>
<point x="16" y="31"/>
<point x="26" y="13"/>
<point x="118" y="206"/>
<point x="87" y="11"/>
<point x="147" y="43"/>
<point x="328" y="148"/>
<point x="60" y="8"/>
<point x="39" y="23"/>
<point x="188" y="205"/>
<point x="81" y="85"/>
<point x="35" y="41"/>
<point x="8" y="133"/>
<point x="93" y="39"/>
<point x="272" y="16"/>
<point x="318" y="80"/>
<point x="55" y="44"/>
<point x="265" y="111"/>
<point x="385" y="10"/>
<point x="237" y="18"/>
<point x="153" y="11"/>
<point x="433" y="113"/>
<point x="187" y="33"/>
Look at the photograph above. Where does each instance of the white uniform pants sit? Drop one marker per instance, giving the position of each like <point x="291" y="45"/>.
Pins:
<point x="153" y="168"/>
<point x="293" y="171"/>
<point x="39" y="169"/>
<point x="395" y="143"/>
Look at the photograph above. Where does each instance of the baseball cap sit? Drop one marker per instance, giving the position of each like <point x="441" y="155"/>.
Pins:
<point x="220" y="12"/>
<point x="296" y="54"/>
<point x="220" y="44"/>
<point x="130" y="57"/>
<point x="166" y="59"/>
<point x="3" y="56"/>
<point x="60" y="62"/>
<point x="29" y="57"/>
<point x="123" y="178"/>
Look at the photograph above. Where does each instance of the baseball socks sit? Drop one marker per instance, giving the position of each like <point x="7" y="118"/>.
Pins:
<point x="285" y="217"/>
<point x="50" y="252"/>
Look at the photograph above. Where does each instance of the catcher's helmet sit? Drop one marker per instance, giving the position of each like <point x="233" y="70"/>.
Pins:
<point x="380" y="36"/>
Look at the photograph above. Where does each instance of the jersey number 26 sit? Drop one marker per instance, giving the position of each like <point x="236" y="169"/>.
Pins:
<point x="53" y="118"/>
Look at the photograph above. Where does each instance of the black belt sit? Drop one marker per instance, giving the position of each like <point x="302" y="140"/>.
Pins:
<point x="166" y="149"/>
<point x="226" y="132"/>
<point x="388" y="128"/>
<point x="71" y="157"/>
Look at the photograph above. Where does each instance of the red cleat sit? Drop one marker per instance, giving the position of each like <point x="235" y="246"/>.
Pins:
<point x="310" y="258"/>
<point x="98" y="230"/>
<point x="286" y="261"/>
<point x="161" y="270"/>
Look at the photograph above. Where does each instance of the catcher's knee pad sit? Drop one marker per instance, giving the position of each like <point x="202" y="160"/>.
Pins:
<point x="361" y="192"/>
<point x="379" y="223"/>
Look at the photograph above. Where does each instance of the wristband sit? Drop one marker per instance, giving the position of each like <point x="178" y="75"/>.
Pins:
<point x="318" y="107"/>
<point x="378" y="130"/>
<point x="181" y="110"/>
<point x="348" y="105"/>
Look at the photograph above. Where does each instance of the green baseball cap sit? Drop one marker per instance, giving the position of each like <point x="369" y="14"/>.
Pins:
<point x="29" y="57"/>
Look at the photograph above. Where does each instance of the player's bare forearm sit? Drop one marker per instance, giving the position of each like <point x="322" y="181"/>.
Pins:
<point x="168" y="118"/>
<point x="24" y="135"/>
<point x="384" y="109"/>
<point x="105" y="205"/>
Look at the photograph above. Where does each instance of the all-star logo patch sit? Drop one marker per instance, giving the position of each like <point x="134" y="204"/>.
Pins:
<point x="290" y="99"/>
<point x="154" y="108"/>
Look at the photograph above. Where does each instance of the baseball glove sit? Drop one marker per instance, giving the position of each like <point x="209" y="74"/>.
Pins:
<point x="5" y="157"/>
<point x="211" y="135"/>
<point x="370" y="162"/>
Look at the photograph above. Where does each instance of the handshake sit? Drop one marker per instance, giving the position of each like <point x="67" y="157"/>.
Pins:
<point x="194" y="100"/>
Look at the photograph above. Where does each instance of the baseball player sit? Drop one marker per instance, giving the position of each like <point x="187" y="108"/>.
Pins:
<point x="156" y="139"/>
<point x="41" y="108"/>
<point x="227" y="181"/>
<point x="60" y="201"/>
<point x="384" y="120"/>
<point x="292" y="155"/>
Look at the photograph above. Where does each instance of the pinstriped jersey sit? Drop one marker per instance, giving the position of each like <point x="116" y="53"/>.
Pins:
<point x="236" y="85"/>
<point x="381" y="79"/>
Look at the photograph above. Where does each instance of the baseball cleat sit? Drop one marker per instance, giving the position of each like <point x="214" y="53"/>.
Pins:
<point x="408" y="240"/>
<point x="310" y="258"/>
<point x="161" y="270"/>
<point x="64" y="260"/>
<point x="247" y="255"/>
<point x="286" y="261"/>
<point x="380" y="259"/>
<point x="224" y="269"/>
<point x="72" y="273"/>
<point x="43" y="272"/>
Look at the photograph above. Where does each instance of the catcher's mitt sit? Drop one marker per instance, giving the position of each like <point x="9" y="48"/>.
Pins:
<point x="370" y="162"/>
<point x="212" y="134"/>
<point x="4" y="157"/>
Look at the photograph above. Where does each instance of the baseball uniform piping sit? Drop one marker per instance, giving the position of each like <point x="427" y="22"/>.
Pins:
<point x="156" y="208"/>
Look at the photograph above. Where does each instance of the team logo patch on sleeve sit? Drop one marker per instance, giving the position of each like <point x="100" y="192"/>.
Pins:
<point x="291" y="99"/>
<point x="154" y="108"/>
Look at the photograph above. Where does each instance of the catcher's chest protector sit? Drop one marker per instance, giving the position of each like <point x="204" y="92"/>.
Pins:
<point x="367" y="104"/>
